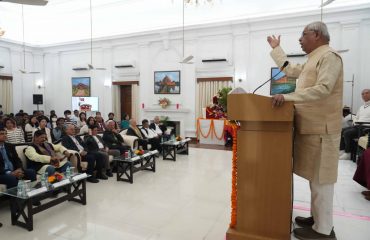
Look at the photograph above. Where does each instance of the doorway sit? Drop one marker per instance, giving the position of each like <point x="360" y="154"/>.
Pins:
<point x="126" y="100"/>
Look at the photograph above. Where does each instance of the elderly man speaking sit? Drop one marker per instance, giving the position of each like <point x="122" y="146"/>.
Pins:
<point x="318" y="109"/>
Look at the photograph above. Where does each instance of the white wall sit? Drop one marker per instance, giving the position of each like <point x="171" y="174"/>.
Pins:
<point x="242" y="43"/>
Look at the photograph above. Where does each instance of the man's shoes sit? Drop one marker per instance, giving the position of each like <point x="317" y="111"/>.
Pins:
<point x="365" y="193"/>
<point x="109" y="173"/>
<point x="102" y="176"/>
<point x="345" y="156"/>
<point x="310" y="234"/>
<point x="304" y="222"/>
<point x="92" y="179"/>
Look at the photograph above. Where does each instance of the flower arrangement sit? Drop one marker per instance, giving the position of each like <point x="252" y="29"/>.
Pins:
<point x="164" y="102"/>
<point x="55" y="178"/>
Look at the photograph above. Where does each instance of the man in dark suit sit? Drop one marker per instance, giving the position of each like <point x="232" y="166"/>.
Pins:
<point x="69" y="141"/>
<point x="153" y="138"/>
<point x="10" y="165"/>
<point x="95" y="143"/>
<point x="113" y="139"/>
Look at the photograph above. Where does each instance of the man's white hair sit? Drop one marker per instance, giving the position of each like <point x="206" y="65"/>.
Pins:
<point x="319" y="27"/>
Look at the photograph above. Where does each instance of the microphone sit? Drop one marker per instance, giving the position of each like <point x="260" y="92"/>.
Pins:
<point x="286" y="63"/>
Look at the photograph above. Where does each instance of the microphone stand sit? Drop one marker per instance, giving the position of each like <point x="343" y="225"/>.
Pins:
<point x="353" y="84"/>
<point x="263" y="84"/>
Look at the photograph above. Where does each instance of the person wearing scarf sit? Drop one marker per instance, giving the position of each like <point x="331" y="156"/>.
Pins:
<point x="42" y="156"/>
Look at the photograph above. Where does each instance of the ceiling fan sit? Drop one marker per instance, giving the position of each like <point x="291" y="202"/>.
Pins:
<point x="28" y="2"/>
<point x="24" y="71"/>
<point x="185" y="60"/>
<point x="323" y="4"/>
<point x="90" y="65"/>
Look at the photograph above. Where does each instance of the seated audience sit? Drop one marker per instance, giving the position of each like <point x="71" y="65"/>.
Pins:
<point x="350" y="133"/>
<point x="81" y="121"/>
<point x="90" y="122"/>
<point x="133" y="130"/>
<point x="95" y="143"/>
<point x="14" y="134"/>
<point x="69" y="141"/>
<point x="100" y="123"/>
<point x="153" y="139"/>
<point x="111" y="118"/>
<point x="11" y="169"/>
<point x="53" y="121"/>
<point x="43" y="121"/>
<point x="159" y="129"/>
<point x="42" y="156"/>
<point x="348" y="117"/>
<point x="32" y="124"/>
<point x="68" y="119"/>
<point x="113" y="139"/>
<point x="76" y="115"/>
<point x="58" y="131"/>
<point x="125" y="123"/>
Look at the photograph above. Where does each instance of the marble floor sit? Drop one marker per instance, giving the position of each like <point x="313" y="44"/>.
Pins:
<point x="183" y="200"/>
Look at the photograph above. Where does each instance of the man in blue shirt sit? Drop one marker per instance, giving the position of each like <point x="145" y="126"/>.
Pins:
<point x="11" y="169"/>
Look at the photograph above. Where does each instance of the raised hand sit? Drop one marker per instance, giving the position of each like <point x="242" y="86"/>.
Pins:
<point x="273" y="41"/>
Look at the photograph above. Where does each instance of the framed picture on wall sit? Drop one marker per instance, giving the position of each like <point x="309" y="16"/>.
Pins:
<point x="167" y="82"/>
<point x="281" y="84"/>
<point x="81" y="87"/>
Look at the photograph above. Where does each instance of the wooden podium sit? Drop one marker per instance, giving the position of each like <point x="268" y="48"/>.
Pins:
<point x="264" y="179"/>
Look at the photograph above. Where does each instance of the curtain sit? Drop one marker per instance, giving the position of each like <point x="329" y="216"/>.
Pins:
<point x="205" y="92"/>
<point x="135" y="101"/>
<point x="116" y="101"/>
<point x="6" y="96"/>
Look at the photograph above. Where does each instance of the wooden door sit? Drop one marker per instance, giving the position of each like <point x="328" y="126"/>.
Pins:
<point x="126" y="100"/>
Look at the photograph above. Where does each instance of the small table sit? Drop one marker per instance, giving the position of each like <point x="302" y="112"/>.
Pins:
<point x="126" y="167"/>
<point x="21" y="206"/>
<point x="173" y="147"/>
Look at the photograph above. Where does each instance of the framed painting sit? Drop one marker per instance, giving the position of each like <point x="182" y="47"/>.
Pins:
<point x="167" y="82"/>
<point x="81" y="87"/>
<point x="280" y="83"/>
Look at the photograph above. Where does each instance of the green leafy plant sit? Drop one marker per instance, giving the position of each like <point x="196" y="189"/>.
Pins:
<point x="222" y="97"/>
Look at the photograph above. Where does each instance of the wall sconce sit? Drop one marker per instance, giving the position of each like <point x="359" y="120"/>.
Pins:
<point x="240" y="80"/>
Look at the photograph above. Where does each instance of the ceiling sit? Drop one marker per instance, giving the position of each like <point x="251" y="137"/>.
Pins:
<point x="63" y="21"/>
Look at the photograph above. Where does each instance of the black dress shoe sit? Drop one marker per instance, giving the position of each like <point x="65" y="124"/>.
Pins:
<point x="109" y="173"/>
<point x="92" y="179"/>
<point x="304" y="222"/>
<point x="310" y="234"/>
<point x="101" y="176"/>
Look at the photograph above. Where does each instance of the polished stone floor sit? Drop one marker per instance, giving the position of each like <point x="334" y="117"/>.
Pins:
<point x="184" y="200"/>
